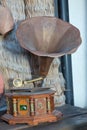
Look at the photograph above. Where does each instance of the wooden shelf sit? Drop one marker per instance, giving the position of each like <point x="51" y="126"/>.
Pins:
<point x="74" y="118"/>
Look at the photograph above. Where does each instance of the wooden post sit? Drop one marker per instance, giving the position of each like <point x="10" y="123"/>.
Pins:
<point x="32" y="107"/>
<point x="14" y="107"/>
<point x="48" y="105"/>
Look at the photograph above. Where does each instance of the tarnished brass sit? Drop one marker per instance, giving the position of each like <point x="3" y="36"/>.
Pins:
<point x="18" y="82"/>
<point x="46" y="38"/>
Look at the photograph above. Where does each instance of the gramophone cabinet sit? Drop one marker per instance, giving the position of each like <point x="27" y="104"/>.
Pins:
<point x="31" y="108"/>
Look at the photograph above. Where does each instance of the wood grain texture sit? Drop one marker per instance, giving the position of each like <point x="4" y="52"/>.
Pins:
<point x="31" y="108"/>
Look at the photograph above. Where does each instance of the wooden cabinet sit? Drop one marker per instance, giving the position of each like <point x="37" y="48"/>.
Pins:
<point x="31" y="108"/>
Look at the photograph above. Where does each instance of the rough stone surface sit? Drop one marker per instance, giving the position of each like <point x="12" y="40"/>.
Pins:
<point x="14" y="61"/>
<point x="39" y="8"/>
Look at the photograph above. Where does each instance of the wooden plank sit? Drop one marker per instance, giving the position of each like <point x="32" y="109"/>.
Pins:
<point x="71" y="111"/>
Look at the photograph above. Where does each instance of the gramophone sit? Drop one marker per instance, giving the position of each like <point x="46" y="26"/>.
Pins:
<point x="44" y="38"/>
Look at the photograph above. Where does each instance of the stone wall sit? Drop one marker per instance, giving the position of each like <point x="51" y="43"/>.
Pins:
<point x="14" y="61"/>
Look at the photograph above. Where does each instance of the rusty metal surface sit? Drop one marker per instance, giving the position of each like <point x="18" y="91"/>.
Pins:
<point x="46" y="38"/>
<point x="40" y="65"/>
<point x="6" y="20"/>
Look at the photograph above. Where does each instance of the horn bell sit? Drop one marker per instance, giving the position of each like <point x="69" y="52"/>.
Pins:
<point x="48" y="37"/>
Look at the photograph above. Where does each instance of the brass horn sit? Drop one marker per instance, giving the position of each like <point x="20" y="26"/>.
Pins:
<point x="46" y="38"/>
